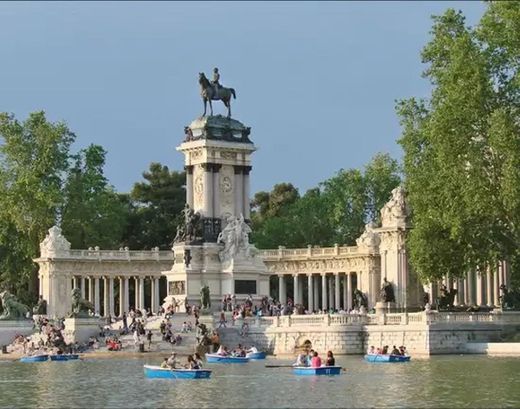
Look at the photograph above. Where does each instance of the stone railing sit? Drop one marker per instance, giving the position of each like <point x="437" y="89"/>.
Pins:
<point x="417" y="318"/>
<point x="304" y="253"/>
<point x="95" y="254"/>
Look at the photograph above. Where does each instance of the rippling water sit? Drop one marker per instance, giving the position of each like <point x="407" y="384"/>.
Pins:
<point x="439" y="382"/>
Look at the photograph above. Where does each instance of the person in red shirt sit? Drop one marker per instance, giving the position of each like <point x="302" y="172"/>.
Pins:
<point x="316" y="360"/>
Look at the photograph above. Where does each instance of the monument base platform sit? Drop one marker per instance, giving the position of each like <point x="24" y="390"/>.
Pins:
<point x="385" y="307"/>
<point x="81" y="329"/>
<point x="10" y="329"/>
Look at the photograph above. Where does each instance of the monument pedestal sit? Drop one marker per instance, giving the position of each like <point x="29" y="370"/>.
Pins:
<point x="385" y="307"/>
<point x="10" y="329"/>
<point x="81" y="329"/>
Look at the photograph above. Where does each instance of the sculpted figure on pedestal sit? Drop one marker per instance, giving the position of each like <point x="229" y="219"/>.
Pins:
<point x="213" y="91"/>
<point x="13" y="309"/>
<point x="369" y="237"/>
<point x="387" y="291"/>
<point x="205" y="300"/>
<point x="235" y="237"/>
<point x="189" y="231"/>
<point x="396" y="209"/>
<point x="41" y="307"/>
<point x="54" y="243"/>
<point x="81" y="308"/>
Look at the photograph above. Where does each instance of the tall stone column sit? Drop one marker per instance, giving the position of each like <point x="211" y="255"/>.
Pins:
<point x="141" y="294"/>
<point x="82" y="287"/>
<point x="296" y="290"/>
<point x="136" y="293"/>
<point x="111" y="309"/>
<point x="208" y="189"/>
<point x="122" y="306"/>
<point x="189" y="185"/>
<point x="316" y="287"/>
<point x="282" y="290"/>
<point x="455" y="286"/>
<point x="246" y="204"/>
<point x="336" y="291"/>
<point x="96" y="295"/>
<point x="300" y="289"/>
<point x="310" y="293"/>
<point x="324" y="301"/>
<point x="75" y="282"/>
<point x="330" y="294"/>
<point x="239" y="190"/>
<point x="496" y="288"/>
<point x="349" y="290"/>
<point x="460" y="291"/>
<point x="345" y="292"/>
<point x="489" y="288"/>
<point x="91" y="289"/>
<point x="479" y="286"/>
<point x="106" y="307"/>
<point x="471" y="285"/>
<point x="216" y="189"/>
<point x="127" y="294"/>
<point x="157" y="295"/>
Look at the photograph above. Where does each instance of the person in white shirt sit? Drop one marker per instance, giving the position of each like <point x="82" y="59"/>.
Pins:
<point x="252" y="350"/>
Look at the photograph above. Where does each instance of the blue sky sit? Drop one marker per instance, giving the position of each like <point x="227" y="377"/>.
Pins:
<point x="317" y="82"/>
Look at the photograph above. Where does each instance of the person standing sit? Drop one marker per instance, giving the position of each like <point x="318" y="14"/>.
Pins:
<point x="149" y="339"/>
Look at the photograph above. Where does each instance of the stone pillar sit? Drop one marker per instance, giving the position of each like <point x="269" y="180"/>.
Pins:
<point x="208" y="189"/>
<point x="246" y="205"/>
<point x="189" y="185"/>
<point x="345" y="291"/>
<point x="106" y="307"/>
<point x="330" y="294"/>
<point x="496" y="287"/>
<point x="324" y="303"/>
<point x="471" y="280"/>
<point x="282" y="290"/>
<point x="141" y="294"/>
<point x="316" y="287"/>
<point x="239" y="194"/>
<point x="349" y="290"/>
<point x="460" y="291"/>
<point x="479" y="288"/>
<point x="300" y="289"/>
<point x="82" y="287"/>
<point x="136" y="293"/>
<point x="296" y="290"/>
<point x="157" y="304"/>
<point x="75" y="282"/>
<point x="310" y="293"/>
<point x="455" y="286"/>
<point x="489" y="288"/>
<point x="96" y="295"/>
<point x="121" y="296"/>
<point x="91" y="289"/>
<point x="216" y="189"/>
<point x="127" y="294"/>
<point x="111" y="309"/>
<point x="336" y="291"/>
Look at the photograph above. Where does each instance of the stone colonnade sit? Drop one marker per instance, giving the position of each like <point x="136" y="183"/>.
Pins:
<point x="99" y="290"/>
<point x="324" y="290"/>
<point x="477" y="288"/>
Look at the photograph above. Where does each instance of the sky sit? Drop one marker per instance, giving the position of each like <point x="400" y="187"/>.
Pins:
<point x="316" y="81"/>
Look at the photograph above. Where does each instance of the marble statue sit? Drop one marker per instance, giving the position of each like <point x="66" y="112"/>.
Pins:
<point x="360" y="299"/>
<point x="369" y="238"/>
<point x="41" y="307"/>
<point x="13" y="309"/>
<point x="189" y="231"/>
<point x="213" y="91"/>
<point x="387" y="291"/>
<point x="235" y="237"/>
<point x="81" y="308"/>
<point x="205" y="300"/>
<point x="54" y="243"/>
<point x="396" y="209"/>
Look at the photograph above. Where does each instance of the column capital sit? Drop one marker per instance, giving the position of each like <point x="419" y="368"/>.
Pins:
<point x="188" y="169"/>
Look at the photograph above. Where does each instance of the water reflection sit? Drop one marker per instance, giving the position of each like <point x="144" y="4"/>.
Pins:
<point x="449" y="381"/>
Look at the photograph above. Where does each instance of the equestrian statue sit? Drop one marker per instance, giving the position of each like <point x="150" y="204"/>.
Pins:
<point x="213" y="91"/>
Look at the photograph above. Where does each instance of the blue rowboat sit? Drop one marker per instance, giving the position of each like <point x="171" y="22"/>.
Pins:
<point x="151" y="371"/>
<point x="34" y="358"/>
<point x="64" y="357"/>
<point x="256" y="355"/>
<point x="322" y="370"/>
<point x="386" y="358"/>
<point x="215" y="358"/>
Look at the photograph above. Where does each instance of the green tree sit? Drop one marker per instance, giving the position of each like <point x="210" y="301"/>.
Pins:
<point x="462" y="145"/>
<point x="33" y="159"/>
<point x="155" y="208"/>
<point x="92" y="214"/>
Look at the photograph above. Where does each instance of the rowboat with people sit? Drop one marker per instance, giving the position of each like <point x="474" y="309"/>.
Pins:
<point x="153" y="371"/>
<point x="34" y="358"/>
<point x="226" y="359"/>
<point x="255" y="356"/>
<point x="387" y="358"/>
<point x="64" y="357"/>
<point x="321" y="370"/>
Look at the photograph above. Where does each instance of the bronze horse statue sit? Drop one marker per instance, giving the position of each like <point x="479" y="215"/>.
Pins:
<point x="209" y="93"/>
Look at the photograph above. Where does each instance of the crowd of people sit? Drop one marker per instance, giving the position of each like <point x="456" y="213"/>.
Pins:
<point x="384" y="350"/>
<point x="313" y="360"/>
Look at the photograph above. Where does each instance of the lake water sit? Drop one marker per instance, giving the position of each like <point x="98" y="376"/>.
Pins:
<point x="438" y="382"/>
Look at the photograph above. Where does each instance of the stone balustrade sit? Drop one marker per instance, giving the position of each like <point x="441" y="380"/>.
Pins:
<point x="305" y="253"/>
<point x="108" y="255"/>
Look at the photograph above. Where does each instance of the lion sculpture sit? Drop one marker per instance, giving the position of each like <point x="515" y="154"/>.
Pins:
<point x="13" y="309"/>
<point x="80" y="306"/>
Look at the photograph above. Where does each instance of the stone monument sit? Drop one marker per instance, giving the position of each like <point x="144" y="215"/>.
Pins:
<point x="80" y="325"/>
<point x="212" y="248"/>
<point x="15" y="318"/>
